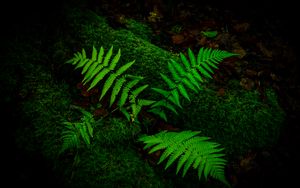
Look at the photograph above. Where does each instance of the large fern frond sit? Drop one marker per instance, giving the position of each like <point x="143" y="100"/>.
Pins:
<point x="190" y="150"/>
<point x="188" y="75"/>
<point x="101" y="69"/>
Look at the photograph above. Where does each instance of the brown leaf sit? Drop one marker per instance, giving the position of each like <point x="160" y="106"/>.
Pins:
<point x="178" y="39"/>
<point x="264" y="50"/>
<point x="247" y="83"/>
<point x="241" y="27"/>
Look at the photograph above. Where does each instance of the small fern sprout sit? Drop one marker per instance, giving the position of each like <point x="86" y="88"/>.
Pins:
<point x="75" y="131"/>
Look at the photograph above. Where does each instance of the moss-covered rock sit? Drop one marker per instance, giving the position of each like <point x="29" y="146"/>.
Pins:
<point x="113" y="167"/>
<point x="111" y="161"/>
<point x="240" y="120"/>
<point x="90" y="29"/>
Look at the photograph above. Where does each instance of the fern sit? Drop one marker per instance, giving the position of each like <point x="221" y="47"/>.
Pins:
<point x="191" y="151"/>
<point x="101" y="69"/>
<point x="74" y="132"/>
<point x="188" y="75"/>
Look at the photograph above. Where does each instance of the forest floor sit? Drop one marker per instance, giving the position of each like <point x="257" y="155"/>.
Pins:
<point x="266" y="42"/>
<point x="264" y="35"/>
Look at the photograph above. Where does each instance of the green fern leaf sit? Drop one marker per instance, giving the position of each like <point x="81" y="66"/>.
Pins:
<point x="175" y="97"/>
<point x="108" y="83"/>
<point x="86" y="66"/>
<point x="94" y="54"/>
<point x="205" y="65"/>
<point x="99" y="77"/>
<point x="90" y="75"/>
<point x="81" y="63"/>
<point x="183" y="92"/>
<point x="69" y="137"/>
<point x="185" y="61"/>
<point x="95" y="67"/>
<point x="125" y="91"/>
<point x="204" y="72"/>
<point x="163" y="92"/>
<point x="190" y="150"/>
<point x="83" y="132"/>
<point x="164" y="104"/>
<point x="173" y="71"/>
<point x="126" y="113"/>
<point x="159" y="112"/>
<point x="100" y="55"/>
<point x="115" y="60"/>
<point x="190" y="85"/>
<point x="196" y="75"/>
<point x="116" y="90"/>
<point x="108" y="56"/>
<point x="137" y="91"/>
<point x="192" y="57"/>
<point x="135" y="110"/>
<point x="179" y="68"/>
<point x="83" y="54"/>
<point x="172" y="146"/>
<point x="193" y="80"/>
<point x="77" y="57"/>
<point x="145" y="102"/>
<point x="89" y="128"/>
<point x="124" y="68"/>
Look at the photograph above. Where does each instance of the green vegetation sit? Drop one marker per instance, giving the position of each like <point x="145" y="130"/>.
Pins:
<point x="239" y="120"/>
<point x="194" y="70"/>
<point x="191" y="151"/>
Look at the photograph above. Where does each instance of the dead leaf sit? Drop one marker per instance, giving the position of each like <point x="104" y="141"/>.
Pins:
<point x="247" y="83"/>
<point x="237" y="48"/>
<point x="241" y="27"/>
<point x="264" y="50"/>
<point x="178" y="39"/>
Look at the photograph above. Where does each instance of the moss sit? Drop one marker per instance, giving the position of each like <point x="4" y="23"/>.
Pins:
<point x="239" y="120"/>
<point x="114" y="131"/>
<point x="91" y="29"/>
<point x="47" y="102"/>
<point x="139" y="29"/>
<point x="113" y="167"/>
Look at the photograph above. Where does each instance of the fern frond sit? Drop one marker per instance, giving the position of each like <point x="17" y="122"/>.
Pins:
<point x="189" y="75"/>
<point x="190" y="150"/>
<point x="101" y="68"/>
<point x="70" y="137"/>
<point x="74" y="131"/>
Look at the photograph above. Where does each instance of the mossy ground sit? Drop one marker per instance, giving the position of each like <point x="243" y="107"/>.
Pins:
<point x="239" y="120"/>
